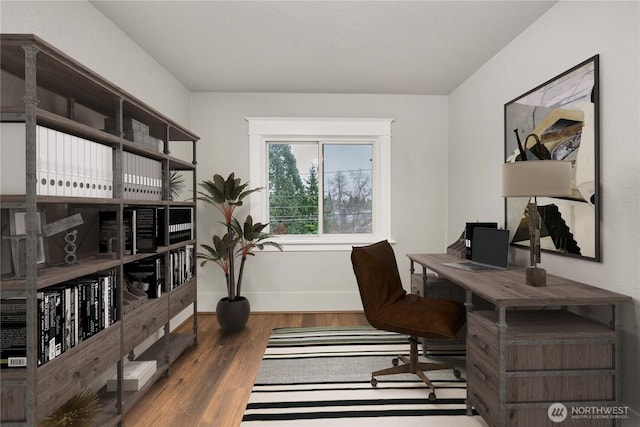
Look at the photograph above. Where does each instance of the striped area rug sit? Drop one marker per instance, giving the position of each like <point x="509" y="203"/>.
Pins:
<point x="321" y="377"/>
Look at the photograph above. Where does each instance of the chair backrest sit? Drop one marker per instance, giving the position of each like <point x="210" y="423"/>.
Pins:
<point x="377" y="274"/>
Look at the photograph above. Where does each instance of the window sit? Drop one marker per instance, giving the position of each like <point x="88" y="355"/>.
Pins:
<point x="327" y="180"/>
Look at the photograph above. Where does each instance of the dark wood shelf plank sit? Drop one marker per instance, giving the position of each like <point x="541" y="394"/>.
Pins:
<point x="61" y="273"/>
<point x="61" y="74"/>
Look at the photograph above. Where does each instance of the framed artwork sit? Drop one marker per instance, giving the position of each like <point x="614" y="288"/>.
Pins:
<point x="559" y="120"/>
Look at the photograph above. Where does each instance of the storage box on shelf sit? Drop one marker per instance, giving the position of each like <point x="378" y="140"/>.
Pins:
<point x="60" y="164"/>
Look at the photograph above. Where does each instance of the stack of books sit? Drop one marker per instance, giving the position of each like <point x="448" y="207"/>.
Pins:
<point x="134" y="131"/>
<point x="140" y="230"/>
<point x="136" y="374"/>
<point x="180" y="225"/>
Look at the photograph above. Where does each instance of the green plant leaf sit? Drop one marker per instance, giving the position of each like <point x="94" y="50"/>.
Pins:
<point x="240" y="239"/>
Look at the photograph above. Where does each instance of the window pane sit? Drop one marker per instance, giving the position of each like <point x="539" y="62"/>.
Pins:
<point x="347" y="189"/>
<point x="293" y="188"/>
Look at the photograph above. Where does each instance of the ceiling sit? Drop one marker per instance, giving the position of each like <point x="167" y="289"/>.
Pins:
<point x="399" y="47"/>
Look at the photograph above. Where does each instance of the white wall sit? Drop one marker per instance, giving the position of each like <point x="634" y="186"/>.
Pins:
<point x="82" y="32"/>
<point x="566" y="35"/>
<point x="302" y="281"/>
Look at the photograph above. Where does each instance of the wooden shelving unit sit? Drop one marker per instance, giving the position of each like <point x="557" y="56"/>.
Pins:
<point x="59" y="93"/>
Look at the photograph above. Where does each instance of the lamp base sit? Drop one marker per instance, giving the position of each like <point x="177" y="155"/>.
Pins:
<point x="536" y="277"/>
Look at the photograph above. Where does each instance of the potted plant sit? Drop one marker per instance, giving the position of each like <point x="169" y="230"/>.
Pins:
<point x="238" y="242"/>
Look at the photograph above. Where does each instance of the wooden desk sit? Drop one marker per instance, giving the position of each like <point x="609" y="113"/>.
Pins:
<point x="531" y="351"/>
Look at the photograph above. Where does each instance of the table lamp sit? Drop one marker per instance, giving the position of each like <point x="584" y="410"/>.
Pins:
<point x="536" y="178"/>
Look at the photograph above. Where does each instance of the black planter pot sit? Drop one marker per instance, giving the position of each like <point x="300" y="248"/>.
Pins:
<point x="233" y="315"/>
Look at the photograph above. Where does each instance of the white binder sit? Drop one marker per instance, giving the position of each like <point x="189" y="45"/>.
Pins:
<point x="67" y="190"/>
<point x="94" y="177"/>
<point x="110" y="173"/>
<point x="108" y="168"/>
<point x="60" y="162"/>
<point x="87" y="169"/>
<point x="142" y="171"/>
<point x="82" y="168"/>
<point x="75" y="166"/>
<point x="137" y="167"/>
<point x="158" y="180"/>
<point x="100" y="170"/>
<point x="126" y="175"/>
<point x="42" y="154"/>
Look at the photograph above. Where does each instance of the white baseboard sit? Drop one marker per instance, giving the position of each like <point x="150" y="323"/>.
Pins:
<point x="289" y="301"/>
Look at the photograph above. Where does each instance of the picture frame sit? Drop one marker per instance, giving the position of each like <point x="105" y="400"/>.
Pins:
<point x="559" y="120"/>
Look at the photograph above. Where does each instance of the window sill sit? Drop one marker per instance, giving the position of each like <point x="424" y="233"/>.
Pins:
<point x="325" y="244"/>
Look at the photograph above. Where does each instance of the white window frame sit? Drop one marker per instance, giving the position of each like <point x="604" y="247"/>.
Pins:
<point x="377" y="131"/>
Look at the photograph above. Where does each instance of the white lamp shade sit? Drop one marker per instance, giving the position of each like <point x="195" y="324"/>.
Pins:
<point x="542" y="178"/>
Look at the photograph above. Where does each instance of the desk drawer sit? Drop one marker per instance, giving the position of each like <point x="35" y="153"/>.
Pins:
<point x="483" y="381"/>
<point x="538" y="417"/>
<point x="559" y="356"/>
<point x="181" y="297"/>
<point x="484" y="399"/>
<point x="144" y="321"/>
<point x="480" y="370"/>
<point x="482" y="336"/>
<point x="560" y="388"/>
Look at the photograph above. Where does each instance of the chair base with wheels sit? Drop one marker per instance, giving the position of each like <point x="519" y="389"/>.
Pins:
<point x="411" y="365"/>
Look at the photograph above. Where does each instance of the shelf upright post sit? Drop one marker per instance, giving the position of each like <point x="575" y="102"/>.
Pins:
<point x="71" y="108"/>
<point x="30" y="104"/>
<point x="166" y="196"/>
<point x="165" y="146"/>
<point x="119" y="194"/>
<point x="117" y="157"/>
<point x="194" y="219"/>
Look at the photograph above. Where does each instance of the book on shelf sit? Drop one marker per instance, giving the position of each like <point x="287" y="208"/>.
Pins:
<point x="145" y="223"/>
<point x="109" y="232"/>
<point x="74" y="311"/>
<point x="182" y="262"/>
<point x="180" y="225"/>
<point x="62" y="296"/>
<point x="66" y="165"/>
<point x="146" y="275"/>
<point x="47" y="302"/>
<point x="13" y="333"/>
<point x="140" y="229"/>
<point x="55" y="324"/>
<point x="135" y="374"/>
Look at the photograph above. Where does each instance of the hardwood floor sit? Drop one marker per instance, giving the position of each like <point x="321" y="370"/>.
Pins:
<point x="210" y="384"/>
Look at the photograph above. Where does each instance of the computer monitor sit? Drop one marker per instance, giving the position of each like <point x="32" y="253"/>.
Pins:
<point x="469" y="233"/>
<point x="491" y="247"/>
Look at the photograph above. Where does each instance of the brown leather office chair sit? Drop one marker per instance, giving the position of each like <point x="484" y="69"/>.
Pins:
<point x="389" y="307"/>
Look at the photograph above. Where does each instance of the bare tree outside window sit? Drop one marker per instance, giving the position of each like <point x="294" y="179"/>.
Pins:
<point x="347" y="189"/>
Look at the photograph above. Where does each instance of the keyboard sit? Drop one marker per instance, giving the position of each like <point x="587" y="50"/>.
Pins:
<point x="471" y="266"/>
